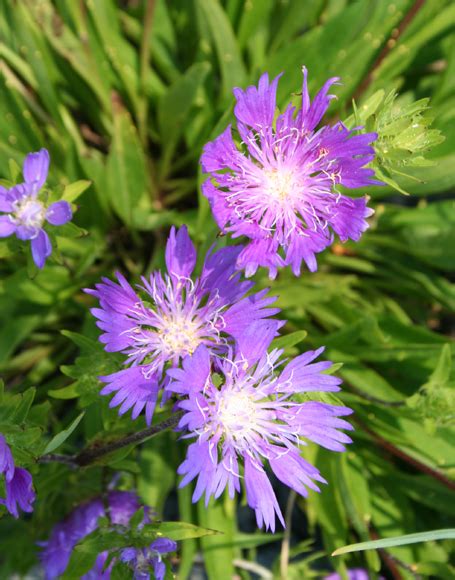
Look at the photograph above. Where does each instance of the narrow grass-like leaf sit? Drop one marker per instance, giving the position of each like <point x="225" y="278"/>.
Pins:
<point x="448" y="534"/>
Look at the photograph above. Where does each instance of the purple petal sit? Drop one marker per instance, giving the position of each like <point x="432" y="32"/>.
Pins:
<point x="299" y="376"/>
<point x="260" y="495"/>
<point x="256" y="105"/>
<point x="36" y="167"/>
<point x="59" y="213"/>
<point x="295" y="472"/>
<point x="19" y="491"/>
<point x="6" y="459"/>
<point x="320" y="104"/>
<point x="262" y="252"/>
<point x="164" y="545"/>
<point x="159" y="569"/>
<point x="133" y="391"/>
<point x="6" y="200"/>
<point x="180" y="253"/>
<point x="220" y="209"/>
<point x="195" y="372"/>
<point x="41" y="248"/>
<point x="7" y="226"/>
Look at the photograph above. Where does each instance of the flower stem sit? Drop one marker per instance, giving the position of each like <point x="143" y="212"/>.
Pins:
<point x="91" y="454"/>
<point x="285" y="545"/>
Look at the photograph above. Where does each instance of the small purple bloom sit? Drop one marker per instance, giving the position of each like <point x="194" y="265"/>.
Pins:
<point x="280" y="189"/>
<point x="57" y="551"/>
<point x="353" y="574"/>
<point x="25" y="214"/>
<point x="18" y="483"/>
<point x="169" y="316"/>
<point x="247" y="417"/>
<point x="142" y="559"/>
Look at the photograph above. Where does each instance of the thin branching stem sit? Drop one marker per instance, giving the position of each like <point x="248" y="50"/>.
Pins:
<point x="91" y="454"/>
<point x="419" y="465"/>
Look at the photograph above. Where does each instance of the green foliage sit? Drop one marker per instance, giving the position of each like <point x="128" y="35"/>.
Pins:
<point x="403" y="134"/>
<point x="390" y="542"/>
<point x="125" y="112"/>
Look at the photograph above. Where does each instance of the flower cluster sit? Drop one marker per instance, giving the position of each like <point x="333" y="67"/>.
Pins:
<point x="207" y="344"/>
<point x="281" y="188"/>
<point x="204" y="342"/>
<point x="119" y="507"/>
<point x="170" y="315"/>
<point x="25" y="213"/>
<point x="18" y="483"/>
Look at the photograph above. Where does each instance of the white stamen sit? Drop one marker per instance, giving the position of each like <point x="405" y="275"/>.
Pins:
<point x="180" y="335"/>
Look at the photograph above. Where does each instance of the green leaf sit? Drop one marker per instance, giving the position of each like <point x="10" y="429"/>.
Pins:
<point x="448" y="534"/>
<point x="74" y="190"/>
<point x="22" y="410"/>
<point x="61" y="437"/>
<point x="255" y="16"/>
<point x="174" y="107"/>
<point x="222" y="36"/>
<point x="289" y="340"/>
<point x="126" y="166"/>
<point x="83" y="342"/>
<point x="220" y="515"/>
<point x="157" y="470"/>
<point x="177" y="531"/>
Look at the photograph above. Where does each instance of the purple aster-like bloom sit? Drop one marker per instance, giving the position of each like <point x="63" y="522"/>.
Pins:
<point x="18" y="483"/>
<point x="280" y="189"/>
<point x="57" y="551"/>
<point x="170" y="315"/>
<point x="25" y="214"/>
<point x="248" y="415"/>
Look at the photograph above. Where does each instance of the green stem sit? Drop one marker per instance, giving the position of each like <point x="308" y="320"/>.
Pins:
<point x="91" y="454"/>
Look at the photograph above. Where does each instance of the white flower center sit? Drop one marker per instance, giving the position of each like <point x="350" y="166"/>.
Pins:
<point x="180" y="336"/>
<point x="30" y="213"/>
<point x="279" y="184"/>
<point x="237" y="414"/>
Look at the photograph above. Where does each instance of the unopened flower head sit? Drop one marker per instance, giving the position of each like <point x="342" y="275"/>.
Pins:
<point x="280" y="189"/>
<point x="84" y="520"/>
<point x="246" y="416"/>
<point x="25" y="213"/>
<point x="170" y="315"/>
<point x="18" y="483"/>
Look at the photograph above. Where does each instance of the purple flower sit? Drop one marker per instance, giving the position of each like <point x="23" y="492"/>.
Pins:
<point x="142" y="559"/>
<point x="57" y="551"/>
<point x="169" y="316"/>
<point x="353" y="574"/>
<point x="25" y="214"/>
<point x="247" y="416"/>
<point x="280" y="189"/>
<point x="18" y="483"/>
